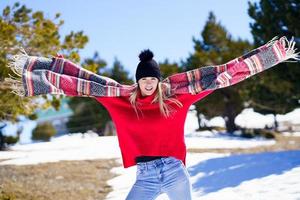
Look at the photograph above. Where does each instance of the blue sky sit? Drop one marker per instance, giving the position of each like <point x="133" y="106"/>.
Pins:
<point x="123" y="28"/>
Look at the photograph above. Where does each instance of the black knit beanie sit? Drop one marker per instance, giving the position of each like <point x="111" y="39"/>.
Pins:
<point x="147" y="66"/>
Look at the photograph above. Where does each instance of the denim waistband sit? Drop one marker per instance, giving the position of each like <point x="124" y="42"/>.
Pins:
<point x="156" y="162"/>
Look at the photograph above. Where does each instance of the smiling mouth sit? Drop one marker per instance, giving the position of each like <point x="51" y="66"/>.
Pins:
<point x="148" y="89"/>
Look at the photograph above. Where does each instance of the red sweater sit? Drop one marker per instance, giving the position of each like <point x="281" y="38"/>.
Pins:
<point x="151" y="134"/>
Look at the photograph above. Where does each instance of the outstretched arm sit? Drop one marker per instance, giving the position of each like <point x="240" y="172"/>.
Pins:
<point x="234" y="71"/>
<point x="40" y="75"/>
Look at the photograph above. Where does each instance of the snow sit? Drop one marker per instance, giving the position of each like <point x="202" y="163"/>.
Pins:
<point x="216" y="122"/>
<point x="90" y="146"/>
<point x="67" y="147"/>
<point x="250" y="119"/>
<point x="213" y="175"/>
<point x="251" y="176"/>
<point x="203" y="141"/>
<point x="293" y="117"/>
<point x="273" y="175"/>
<point x="247" y="119"/>
<point x="273" y="186"/>
<point x="291" y="134"/>
<point x="224" y="176"/>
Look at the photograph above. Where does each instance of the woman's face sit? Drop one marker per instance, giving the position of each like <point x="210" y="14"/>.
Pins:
<point x="148" y="85"/>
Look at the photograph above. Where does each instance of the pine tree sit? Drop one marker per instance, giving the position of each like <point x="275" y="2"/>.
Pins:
<point x="21" y="27"/>
<point x="217" y="47"/>
<point x="278" y="90"/>
<point x="118" y="73"/>
<point x="167" y="68"/>
<point x="39" y="36"/>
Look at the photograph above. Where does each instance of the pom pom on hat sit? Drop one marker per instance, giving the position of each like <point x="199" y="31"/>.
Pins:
<point x="146" y="55"/>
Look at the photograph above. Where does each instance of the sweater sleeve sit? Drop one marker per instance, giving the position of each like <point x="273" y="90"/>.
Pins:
<point x="40" y="75"/>
<point x="234" y="71"/>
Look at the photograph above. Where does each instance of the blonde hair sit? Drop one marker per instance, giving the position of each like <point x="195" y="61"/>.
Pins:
<point x="160" y="97"/>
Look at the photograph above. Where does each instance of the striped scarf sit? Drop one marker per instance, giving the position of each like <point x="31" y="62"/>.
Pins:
<point x="40" y="75"/>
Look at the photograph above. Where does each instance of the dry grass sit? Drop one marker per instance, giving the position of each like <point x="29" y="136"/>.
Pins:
<point x="65" y="180"/>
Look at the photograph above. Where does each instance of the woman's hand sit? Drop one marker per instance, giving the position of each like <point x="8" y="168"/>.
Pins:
<point x="58" y="55"/>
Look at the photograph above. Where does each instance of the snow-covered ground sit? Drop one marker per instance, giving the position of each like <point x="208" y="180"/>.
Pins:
<point x="213" y="175"/>
<point x="247" y="118"/>
<point x="210" y="140"/>
<point x="218" y="176"/>
<point x="91" y="146"/>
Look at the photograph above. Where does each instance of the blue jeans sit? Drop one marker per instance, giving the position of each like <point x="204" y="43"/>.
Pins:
<point x="165" y="175"/>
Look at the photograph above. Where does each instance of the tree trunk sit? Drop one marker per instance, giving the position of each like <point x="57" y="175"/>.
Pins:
<point x="229" y="116"/>
<point x="275" y="123"/>
<point x="1" y="141"/>
<point x="110" y="129"/>
<point x="198" y="119"/>
<point x="2" y="147"/>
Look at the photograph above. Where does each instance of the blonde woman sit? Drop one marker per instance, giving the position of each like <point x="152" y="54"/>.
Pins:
<point x="149" y="115"/>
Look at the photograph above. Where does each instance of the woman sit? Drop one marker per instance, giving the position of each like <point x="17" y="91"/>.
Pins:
<point x="149" y="116"/>
<point x="150" y="130"/>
